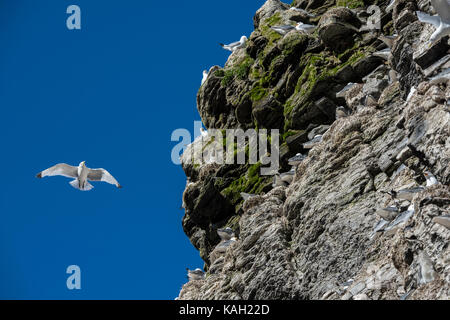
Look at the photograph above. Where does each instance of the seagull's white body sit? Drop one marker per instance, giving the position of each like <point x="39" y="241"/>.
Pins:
<point x="390" y="5"/>
<point x="223" y="245"/>
<point x="441" y="21"/>
<point x="411" y="93"/>
<point x="384" y="54"/>
<point x="296" y="160"/>
<point x="81" y="174"/>
<point x="205" y="76"/>
<point x="431" y="179"/>
<point x="284" y="29"/>
<point x="442" y="77"/>
<point x="341" y="94"/>
<point x="308" y="28"/>
<point x="235" y="45"/>
<point x="225" y="233"/>
<point x="203" y="132"/>
<point x="312" y="143"/>
<point x="388" y="213"/>
<point x="196" y="274"/>
<point x="246" y="196"/>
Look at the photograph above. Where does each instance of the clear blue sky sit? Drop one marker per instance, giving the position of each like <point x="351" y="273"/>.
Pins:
<point x="111" y="94"/>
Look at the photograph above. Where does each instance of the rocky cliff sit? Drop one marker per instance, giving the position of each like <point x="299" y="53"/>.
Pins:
<point x="320" y="237"/>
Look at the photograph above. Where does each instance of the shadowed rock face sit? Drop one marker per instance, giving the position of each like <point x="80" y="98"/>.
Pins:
<point x="306" y="240"/>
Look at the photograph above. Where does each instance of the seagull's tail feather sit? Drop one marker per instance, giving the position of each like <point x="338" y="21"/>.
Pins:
<point x="76" y="184"/>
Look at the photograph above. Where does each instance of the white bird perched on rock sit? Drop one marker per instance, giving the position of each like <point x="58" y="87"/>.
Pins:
<point x="203" y="132"/>
<point x="308" y="28"/>
<point x="407" y="193"/>
<point x="427" y="273"/>
<point x="296" y="160"/>
<point x="196" y="274"/>
<point x="81" y="174"/>
<point x="411" y="93"/>
<point x="391" y="5"/>
<point x="247" y="196"/>
<point x="388" y="213"/>
<point x="383" y="54"/>
<point x="341" y="94"/>
<point x="300" y="26"/>
<point x="400" y="219"/>
<point x="441" y="21"/>
<point x="205" y="76"/>
<point x="283" y="29"/>
<point x="225" y="233"/>
<point x="431" y="179"/>
<point x="312" y="143"/>
<point x="223" y="245"/>
<point x="235" y="45"/>
<point x="442" y="77"/>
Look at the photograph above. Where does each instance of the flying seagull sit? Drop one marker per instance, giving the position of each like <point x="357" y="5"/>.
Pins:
<point x="235" y="45"/>
<point x="441" y="22"/>
<point x="81" y="174"/>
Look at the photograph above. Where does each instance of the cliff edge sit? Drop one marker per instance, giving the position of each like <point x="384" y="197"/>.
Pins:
<point x="321" y="236"/>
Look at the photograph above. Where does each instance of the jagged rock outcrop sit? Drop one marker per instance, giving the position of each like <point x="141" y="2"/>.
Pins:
<point x="320" y="237"/>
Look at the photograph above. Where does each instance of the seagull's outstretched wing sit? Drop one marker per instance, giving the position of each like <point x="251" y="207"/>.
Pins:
<point x="60" y="169"/>
<point x="102" y="175"/>
<point x="426" y="18"/>
<point x="442" y="8"/>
